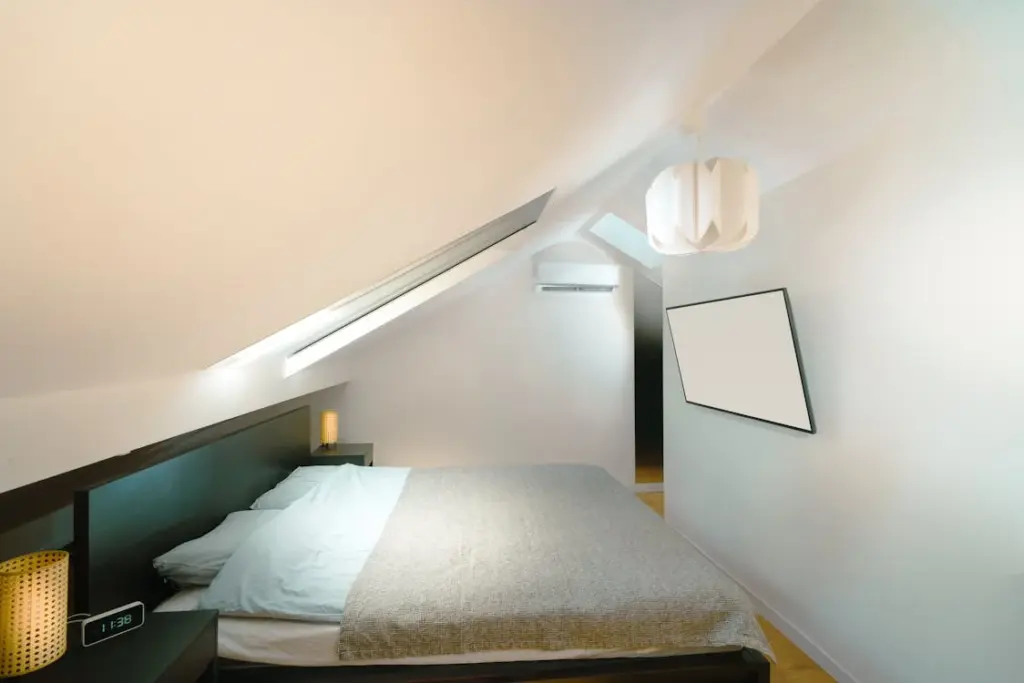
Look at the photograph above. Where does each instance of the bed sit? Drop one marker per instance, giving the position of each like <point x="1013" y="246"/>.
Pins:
<point x="504" y="573"/>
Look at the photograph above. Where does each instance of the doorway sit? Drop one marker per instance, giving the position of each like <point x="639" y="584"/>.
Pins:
<point x="648" y="313"/>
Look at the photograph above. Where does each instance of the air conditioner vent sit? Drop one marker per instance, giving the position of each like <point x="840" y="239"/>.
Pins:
<point x="576" y="288"/>
<point x="577" y="277"/>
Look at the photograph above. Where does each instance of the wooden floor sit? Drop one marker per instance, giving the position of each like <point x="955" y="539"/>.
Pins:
<point x="649" y="474"/>
<point x="655" y="501"/>
<point x="794" y="666"/>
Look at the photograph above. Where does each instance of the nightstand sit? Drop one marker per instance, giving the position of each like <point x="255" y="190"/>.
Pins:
<point x="170" y="647"/>
<point x="344" y="454"/>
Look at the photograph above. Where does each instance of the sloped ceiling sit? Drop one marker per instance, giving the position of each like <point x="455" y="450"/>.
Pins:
<point x="180" y="178"/>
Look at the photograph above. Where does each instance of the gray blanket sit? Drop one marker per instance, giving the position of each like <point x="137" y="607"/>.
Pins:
<point x="554" y="557"/>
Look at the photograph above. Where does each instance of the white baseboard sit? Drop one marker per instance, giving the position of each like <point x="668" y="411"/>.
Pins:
<point x="654" y="487"/>
<point x="795" y="635"/>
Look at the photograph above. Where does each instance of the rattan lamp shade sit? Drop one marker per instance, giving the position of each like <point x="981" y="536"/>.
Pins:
<point x="33" y="611"/>
<point x="328" y="428"/>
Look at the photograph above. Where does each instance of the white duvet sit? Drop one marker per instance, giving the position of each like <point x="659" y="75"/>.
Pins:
<point x="302" y="564"/>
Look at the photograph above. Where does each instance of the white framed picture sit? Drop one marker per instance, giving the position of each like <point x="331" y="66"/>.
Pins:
<point x="740" y="355"/>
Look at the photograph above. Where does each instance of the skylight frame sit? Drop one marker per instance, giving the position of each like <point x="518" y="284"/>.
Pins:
<point x="389" y="298"/>
<point x="635" y="246"/>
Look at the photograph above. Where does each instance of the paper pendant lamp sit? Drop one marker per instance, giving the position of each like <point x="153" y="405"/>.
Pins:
<point x="704" y="206"/>
<point x="328" y="428"/>
<point x="33" y="611"/>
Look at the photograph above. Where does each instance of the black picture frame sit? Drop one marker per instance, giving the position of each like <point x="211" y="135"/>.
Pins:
<point x="796" y="349"/>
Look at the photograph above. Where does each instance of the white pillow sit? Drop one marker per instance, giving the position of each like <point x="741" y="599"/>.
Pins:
<point x="297" y="484"/>
<point x="197" y="562"/>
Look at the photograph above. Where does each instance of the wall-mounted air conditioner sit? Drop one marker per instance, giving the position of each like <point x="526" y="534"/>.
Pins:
<point x="577" y="277"/>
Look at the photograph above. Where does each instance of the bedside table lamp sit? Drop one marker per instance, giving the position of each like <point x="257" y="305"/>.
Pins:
<point x="33" y="611"/>
<point x="329" y="428"/>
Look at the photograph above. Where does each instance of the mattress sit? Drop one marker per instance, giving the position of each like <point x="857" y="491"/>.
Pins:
<point x="470" y="565"/>
<point x="299" y="643"/>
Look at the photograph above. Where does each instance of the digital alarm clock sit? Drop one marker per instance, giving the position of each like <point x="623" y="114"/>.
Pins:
<point x="113" y="623"/>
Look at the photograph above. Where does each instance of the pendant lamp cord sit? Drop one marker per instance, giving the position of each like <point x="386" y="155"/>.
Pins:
<point x="695" y="186"/>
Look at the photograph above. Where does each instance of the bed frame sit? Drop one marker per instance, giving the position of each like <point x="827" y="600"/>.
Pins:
<point x="121" y="525"/>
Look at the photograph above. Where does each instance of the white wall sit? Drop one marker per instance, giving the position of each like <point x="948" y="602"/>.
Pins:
<point x="500" y="374"/>
<point x="894" y="538"/>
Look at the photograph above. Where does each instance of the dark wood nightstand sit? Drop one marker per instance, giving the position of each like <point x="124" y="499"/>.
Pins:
<point x="344" y="454"/>
<point x="171" y="647"/>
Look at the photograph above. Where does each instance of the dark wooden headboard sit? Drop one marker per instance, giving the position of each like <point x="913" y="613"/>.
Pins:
<point x="38" y="516"/>
<point x="120" y="526"/>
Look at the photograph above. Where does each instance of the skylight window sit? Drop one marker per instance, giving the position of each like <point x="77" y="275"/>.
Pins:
<point x="338" y="325"/>
<point x="627" y="239"/>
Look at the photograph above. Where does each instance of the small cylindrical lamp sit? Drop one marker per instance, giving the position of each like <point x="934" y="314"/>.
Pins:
<point x="33" y="611"/>
<point x="329" y="428"/>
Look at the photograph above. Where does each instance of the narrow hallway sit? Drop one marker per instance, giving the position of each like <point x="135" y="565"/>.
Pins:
<point x="647" y="343"/>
